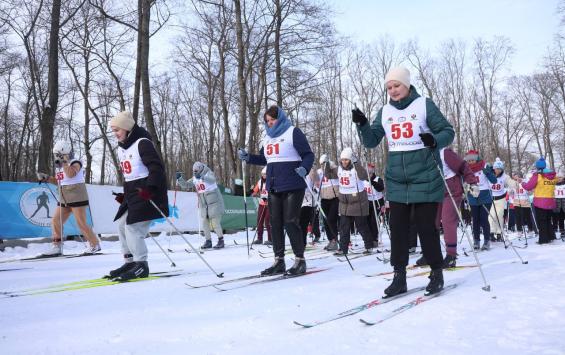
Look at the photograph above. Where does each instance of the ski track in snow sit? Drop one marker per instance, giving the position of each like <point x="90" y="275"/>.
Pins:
<point x="523" y="314"/>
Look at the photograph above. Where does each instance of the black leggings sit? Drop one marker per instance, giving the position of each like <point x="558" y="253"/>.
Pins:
<point x="331" y="209"/>
<point x="424" y="216"/>
<point x="284" y="210"/>
<point x="308" y="215"/>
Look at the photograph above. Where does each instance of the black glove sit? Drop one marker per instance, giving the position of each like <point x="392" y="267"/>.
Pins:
<point x="358" y="117"/>
<point x="119" y="197"/>
<point x="428" y="139"/>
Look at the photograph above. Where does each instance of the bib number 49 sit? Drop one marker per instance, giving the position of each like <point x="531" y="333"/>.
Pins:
<point x="126" y="167"/>
<point x="402" y="130"/>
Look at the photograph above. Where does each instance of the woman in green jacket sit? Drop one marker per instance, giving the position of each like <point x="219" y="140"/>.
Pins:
<point x="415" y="131"/>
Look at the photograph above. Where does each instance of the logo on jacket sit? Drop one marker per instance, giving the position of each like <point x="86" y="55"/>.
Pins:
<point x="413" y="117"/>
<point x="390" y="120"/>
<point x="401" y="119"/>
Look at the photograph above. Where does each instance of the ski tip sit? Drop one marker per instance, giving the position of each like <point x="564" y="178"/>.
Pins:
<point x="302" y="324"/>
<point x="218" y="288"/>
<point x="366" y="322"/>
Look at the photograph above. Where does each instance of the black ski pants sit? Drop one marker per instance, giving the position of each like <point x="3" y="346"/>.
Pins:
<point x="331" y="210"/>
<point x="424" y="217"/>
<point x="284" y="210"/>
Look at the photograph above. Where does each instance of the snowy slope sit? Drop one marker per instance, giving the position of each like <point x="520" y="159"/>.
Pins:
<point x="524" y="313"/>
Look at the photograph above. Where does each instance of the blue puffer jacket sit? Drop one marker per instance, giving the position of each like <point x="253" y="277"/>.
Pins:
<point x="281" y="176"/>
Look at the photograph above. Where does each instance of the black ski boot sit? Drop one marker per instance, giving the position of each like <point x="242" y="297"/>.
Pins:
<point x="140" y="270"/>
<point x="398" y="284"/>
<point x="422" y="261"/>
<point x="450" y="261"/>
<point x="219" y="244"/>
<point x="278" y="267"/>
<point x="299" y="267"/>
<point x="207" y="244"/>
<point x="117" y="272"/>
<point x="436" y="282"/>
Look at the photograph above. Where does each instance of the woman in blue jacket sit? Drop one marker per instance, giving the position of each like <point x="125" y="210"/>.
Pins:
<point x="287" y="154"/>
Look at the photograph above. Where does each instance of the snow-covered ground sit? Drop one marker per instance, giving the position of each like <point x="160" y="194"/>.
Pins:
<point x="524" y="312"/>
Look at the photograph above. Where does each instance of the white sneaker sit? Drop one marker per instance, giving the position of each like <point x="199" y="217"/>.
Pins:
<point x="54" y="250"/>
<point x="91" y="249"/>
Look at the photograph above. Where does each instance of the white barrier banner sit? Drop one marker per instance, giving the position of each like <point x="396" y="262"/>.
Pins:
<point x="103" y="208"/>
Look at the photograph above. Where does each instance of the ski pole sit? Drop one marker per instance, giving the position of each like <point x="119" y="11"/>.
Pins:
<point x="179" y="233"/>
<point x="261" y="216"/>
<point x="245" y="206"/>
<point x="486" y="287"/>
<point x="163" y="250"/>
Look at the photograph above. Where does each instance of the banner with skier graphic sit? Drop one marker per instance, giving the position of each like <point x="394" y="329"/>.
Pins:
<point x="26" y="210"/>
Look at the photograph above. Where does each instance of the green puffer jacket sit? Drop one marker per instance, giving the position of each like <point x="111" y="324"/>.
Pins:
<point x="412" y="176"/>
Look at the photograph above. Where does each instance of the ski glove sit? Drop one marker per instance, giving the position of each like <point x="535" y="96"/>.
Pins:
<point x="119" y="197"/>
<point x="428" y="139"/>
<point x="301" y="171"/>
<point x="488" y="169"/>
<point x="324" y="159"/>
<point x="145" y="193"/>
<point x="178" y="175"/>
<point x="243" y="155"/>
<point x="42" y="177"/>
<point x="474" y="190"/>
<point x="358" y="117"/>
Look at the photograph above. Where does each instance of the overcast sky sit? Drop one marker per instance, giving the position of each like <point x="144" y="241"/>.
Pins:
<point x="530" y="24"/>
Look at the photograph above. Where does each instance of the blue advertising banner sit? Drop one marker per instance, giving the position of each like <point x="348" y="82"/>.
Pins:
<point x="26" y="210"/>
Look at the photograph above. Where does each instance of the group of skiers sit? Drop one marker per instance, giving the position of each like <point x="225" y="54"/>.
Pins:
<point x="426" y="183"/>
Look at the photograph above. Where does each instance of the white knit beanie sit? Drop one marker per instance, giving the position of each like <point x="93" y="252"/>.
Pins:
<point x="346" y="153"/>
<point x="498" y="164"/>
<point x="123" y="120"/>
<point x="399" y="74"/>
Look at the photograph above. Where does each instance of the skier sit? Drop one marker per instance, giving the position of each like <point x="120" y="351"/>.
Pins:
<point x="353" y="201"/>
<point x="210" y="201"/>
<point x="559" y="211"/>
<point x="260" y="190"/>
<point x="73" y="198"/>
<point x="522" y="206"/>
<point x="412" y="177"/>
<point x="543" y="183"/>
<point x="374" y="187"/>
<point x="309" y="206"/>
<point x="145" y="180"/>
<point x="288" y="157"/>
<point x="455" y="169"/>
<point x="480" y="206"/>
<point x="498" y="193"/>
<point x="329" y="190"/>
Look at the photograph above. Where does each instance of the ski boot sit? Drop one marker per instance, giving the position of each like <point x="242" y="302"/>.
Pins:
<point x="91" y="250"/>
<point x="258" y="241"/>
<point x="219" y="244"/>
<point x="477" y="244"/>
<point x="450" y="261"/>
<point x="56" y="249"/>
<point x="398" y="284"/>
<point x="339" y="252"/>
<point x="267" y="242"/>
<point x="117" y="272"/>
<point x="368" y="252"/>
<point x="332" y="245"/>
<point x="139" y="270"/>
<point x="299" y="267"/>
<point x="486" y="245"/>
<point x="278" y="267"/>
<point x="207" y="244"/>
<point x="422" y="261"/>
<point x="436" y="282"/>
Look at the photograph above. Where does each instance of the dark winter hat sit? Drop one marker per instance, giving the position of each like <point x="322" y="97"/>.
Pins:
<point x="540" y="164"/>
<point x="197" y="168"/>
<point x="472" y="155"/>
